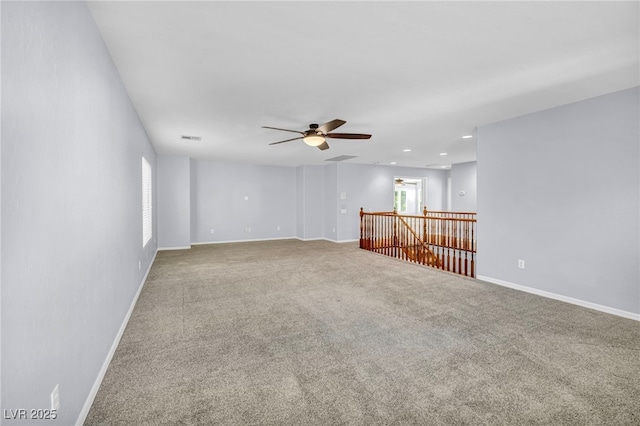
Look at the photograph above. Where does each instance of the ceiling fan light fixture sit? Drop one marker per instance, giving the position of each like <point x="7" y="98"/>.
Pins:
<point x="313" y="140"/>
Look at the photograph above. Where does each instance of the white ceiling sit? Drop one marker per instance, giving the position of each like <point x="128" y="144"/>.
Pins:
<point x="416" y="75"/>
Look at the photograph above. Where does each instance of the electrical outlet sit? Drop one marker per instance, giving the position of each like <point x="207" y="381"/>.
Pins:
<point x="520" y="263"/>
<point x="278" y="228"/>
<point x="247" y="229"/>
<point x="55" y="398"/>
<point x="139" y="265"/>
<point x="212" y="230"/>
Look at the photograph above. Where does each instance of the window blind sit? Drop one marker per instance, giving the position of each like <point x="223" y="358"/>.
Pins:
<point x="147" y="224"/>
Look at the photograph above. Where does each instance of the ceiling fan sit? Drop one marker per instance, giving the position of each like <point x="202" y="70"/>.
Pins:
<point x="402" y="182"/>
<point x="316" y="135"/>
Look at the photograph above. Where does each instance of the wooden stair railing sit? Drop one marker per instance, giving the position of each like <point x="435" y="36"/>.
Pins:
<point x="414" y="247"/>
<point x="443" y="240"/>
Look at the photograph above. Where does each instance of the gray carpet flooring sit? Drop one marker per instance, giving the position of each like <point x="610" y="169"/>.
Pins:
<point x="317" y="333"/>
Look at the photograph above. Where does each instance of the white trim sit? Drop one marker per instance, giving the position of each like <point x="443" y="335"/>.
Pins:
<point x="357" y="240"/>
<point x="174" y="248"/>
<point x="267" y="239"/>
<point x="105" y="365"/>
<point x="242" y="241"/>
<point x="567" y="299"/>
<point x="328" y="239"/>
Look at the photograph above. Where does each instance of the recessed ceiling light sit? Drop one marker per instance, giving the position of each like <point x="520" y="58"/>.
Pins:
<point x="443" y="153"/>
<point x="444" y="167"/>
<point x="393" y="162"/>
<point x="467" y="136"/>
<point x="407" y="150"/>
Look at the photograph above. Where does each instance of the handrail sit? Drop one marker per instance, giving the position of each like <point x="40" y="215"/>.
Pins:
<point x="445" y="240"/>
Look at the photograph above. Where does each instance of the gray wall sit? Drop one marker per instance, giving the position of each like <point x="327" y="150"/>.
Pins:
<point x="220" y="202"/>
<point x="304" y="202"/>
<point x="463" y="179"/>
<point x="560" y="189"/>
<point x="71" y="205"/>
<point x="300" y="201"/>
<point x="193" y="198"/>
<point x="310" y="201"/>
<point x="331" y="196"/>
<point x="174" y="202"/>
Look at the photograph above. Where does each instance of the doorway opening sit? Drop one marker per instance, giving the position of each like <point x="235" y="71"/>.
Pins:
<point x="408" y="195"/>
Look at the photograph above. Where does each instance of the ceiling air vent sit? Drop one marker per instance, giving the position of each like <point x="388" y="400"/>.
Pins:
<point x="191" y="138"/>
<point x="341" y="158"/>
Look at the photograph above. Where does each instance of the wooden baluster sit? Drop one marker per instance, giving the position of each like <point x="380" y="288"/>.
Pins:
<point x="416" y="241"/>
<point x="456" y="252"/>
<point x="473" y="266"/>
<point x="405" y="252"/>
<point x="444" y="231"/>
<point x="379" y="235"/>
<point x="473" y="237"/>
<point x="394" y="232"/>
<point x="465" y="263"/>
<point x="374" y="236"/>
<point x="465" y="235"/>
<point x="385" y="237"/>
<point x="375" y="233"/>
<point x="424" y="235"/>
<point x="468" y="234"/>
<point x="392" y="236"/>
<point x="408" y="239"/>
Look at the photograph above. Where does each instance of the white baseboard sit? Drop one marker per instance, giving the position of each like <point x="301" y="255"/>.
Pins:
<point x="174" y="248"/>
<point x="265" y="239"/>
<point x="242" y="241"/>
<point x="105" y="365"/>
<point x="343" y="241"/>
<point x="567" y="299"/>
<point x="327" y="239"/>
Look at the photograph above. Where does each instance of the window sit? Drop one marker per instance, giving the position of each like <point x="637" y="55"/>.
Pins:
<point x="147" y="224"/>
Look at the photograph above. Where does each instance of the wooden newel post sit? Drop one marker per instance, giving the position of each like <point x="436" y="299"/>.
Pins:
<point x="424" y="225"/>
<point x="361" y="227"/>
<point x="394" y="241"/>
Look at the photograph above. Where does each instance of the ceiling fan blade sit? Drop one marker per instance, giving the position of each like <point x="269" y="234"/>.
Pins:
<point x="323" y="146"/>
<point x="347" y="136"/>
<point x="286" y="130"/>
<point x="330" y="125"/>
<point x="287" y="140"/>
